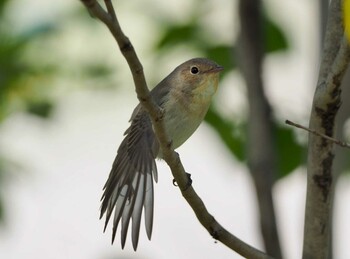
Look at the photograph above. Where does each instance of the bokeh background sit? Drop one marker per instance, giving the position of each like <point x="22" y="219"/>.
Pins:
<point x="66" y="96"/>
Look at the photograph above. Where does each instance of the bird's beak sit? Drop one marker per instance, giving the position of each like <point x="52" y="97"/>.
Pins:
<point x="216" y="69"/>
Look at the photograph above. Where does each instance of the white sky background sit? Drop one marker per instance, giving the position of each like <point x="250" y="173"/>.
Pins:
<point x="52" y="204"/>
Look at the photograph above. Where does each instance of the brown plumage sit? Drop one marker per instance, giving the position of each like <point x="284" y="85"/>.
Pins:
<point x="185" y="95"/>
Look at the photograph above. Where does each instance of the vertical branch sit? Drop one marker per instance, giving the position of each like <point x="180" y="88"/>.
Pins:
<point x="323" y="14"/>
<point x="261" y="152"/>
<point x="327" y="100"/>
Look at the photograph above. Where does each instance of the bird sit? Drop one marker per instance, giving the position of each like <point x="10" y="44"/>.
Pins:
<point x="185" y="96"/>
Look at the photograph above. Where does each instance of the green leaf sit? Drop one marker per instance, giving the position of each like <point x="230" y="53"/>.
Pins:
<point x="176" y="34"/>
<point x="275" y="39"/>
<point x="41" y="108"/>
<point x="97" y="70"/>
<point x="291" y="154"/>
<point x="226" y="129"/>
<point x="3" y="5"/>
<point x="223" y="55"/>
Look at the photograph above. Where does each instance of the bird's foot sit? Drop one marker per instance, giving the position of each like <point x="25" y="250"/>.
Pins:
<point x="188" y="184"/>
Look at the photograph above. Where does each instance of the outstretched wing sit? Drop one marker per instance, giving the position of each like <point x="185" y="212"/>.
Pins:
<point x="129" y="187"/>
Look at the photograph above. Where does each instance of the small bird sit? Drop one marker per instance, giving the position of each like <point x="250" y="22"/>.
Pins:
<point x="185" y="95"/>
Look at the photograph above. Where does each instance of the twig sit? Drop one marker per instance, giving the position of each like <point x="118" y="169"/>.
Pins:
<point x="336" y="141"/>
<point x="170" y="156"/>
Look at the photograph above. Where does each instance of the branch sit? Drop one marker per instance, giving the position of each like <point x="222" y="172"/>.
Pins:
<point x="327" y="100"/>
<point x="109" y="18"/>
<point x="335" y="141"/>
<point x="261" y="153"/>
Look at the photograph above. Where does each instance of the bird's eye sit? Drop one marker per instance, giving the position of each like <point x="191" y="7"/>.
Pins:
<point x="194" y="70"/>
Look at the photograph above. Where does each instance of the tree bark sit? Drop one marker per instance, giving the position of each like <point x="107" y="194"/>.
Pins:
<point x="320" y="178"/>
<point x="260" y="150"/>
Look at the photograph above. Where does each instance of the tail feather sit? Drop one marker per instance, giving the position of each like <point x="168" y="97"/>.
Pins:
<point x="128" y="210"/>
<point x="148" y="206"/>
<point x="137" y="210"/>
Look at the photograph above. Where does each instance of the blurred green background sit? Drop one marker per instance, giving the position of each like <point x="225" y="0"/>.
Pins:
<point x="50" y="54"/>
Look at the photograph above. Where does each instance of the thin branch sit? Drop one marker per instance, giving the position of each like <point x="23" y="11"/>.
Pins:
<point x="170" y="156"/>
<point x="110" y="10"/>
<point x="335" y="141"/>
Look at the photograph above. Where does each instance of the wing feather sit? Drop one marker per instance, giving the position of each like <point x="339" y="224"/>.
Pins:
<point x="129" y="188"/>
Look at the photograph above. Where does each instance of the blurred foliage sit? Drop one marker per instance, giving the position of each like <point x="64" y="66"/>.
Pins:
<point x="27" y="73"/>
<point x="29" y="69"/>
<point x="21" y="79"/>
<point x="275" y="40"/>
<point x="290" y="153"/>
<point x="26" y="82"/>
<point x="193" y="34"/>
<point x="226" y="129"/>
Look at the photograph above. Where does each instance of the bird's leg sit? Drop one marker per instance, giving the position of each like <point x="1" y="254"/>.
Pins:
<point x="188" y="184"/>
